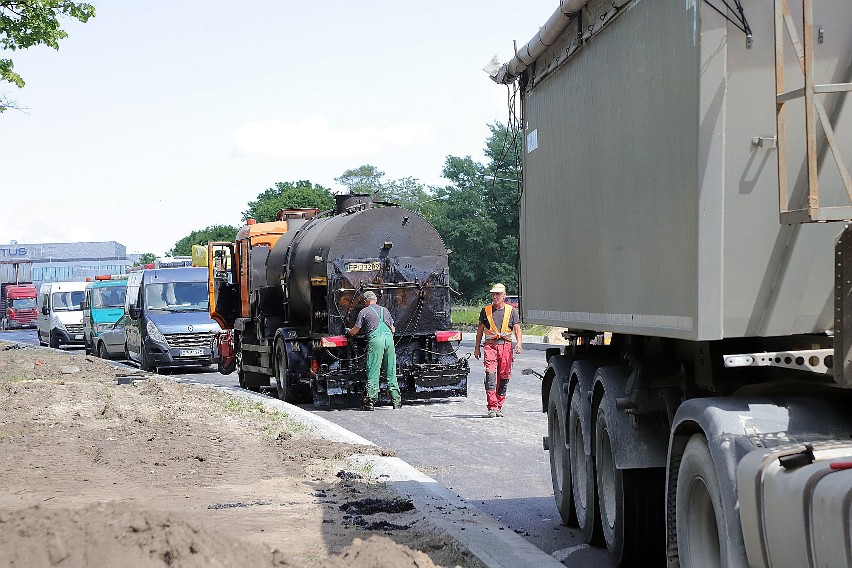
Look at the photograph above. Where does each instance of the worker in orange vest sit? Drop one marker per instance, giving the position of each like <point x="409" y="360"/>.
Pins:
<point x="497" y="322"/>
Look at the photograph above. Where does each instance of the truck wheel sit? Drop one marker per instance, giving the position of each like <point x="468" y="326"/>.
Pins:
<point x="284" y="392"/>
<point x="582" y="473"/>
<point x="631" y="505"/>
<point x="250" y="380"/>
<point x="144" y="363"/>
<point x="698" y="508"/>
<point x="560" y="462"/>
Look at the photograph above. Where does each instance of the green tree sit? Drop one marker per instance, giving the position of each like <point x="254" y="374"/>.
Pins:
<point x="27" y="23"/>
<point x="407" y="192"/>
<point x="479" y="218"/>
<point x="288" y="195"/>
<point x="203" y="236"/>
<point x="363" y="179"/>
<point x="145" y="258"/>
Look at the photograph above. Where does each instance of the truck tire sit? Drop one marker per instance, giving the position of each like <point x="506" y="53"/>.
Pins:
<point x="559" y="450"/>
<point x="699" y="515"/>
<point x="631" y="505"/>
<point x="54" y="341"/>
<point x="582" y="474"/>
<point x="284" y="390"/>
<point x="144" y="363"/>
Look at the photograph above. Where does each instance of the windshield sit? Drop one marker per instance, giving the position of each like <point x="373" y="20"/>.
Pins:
<point x="66" y="301"/>
<point x="24" y="303"/>
<point x="108" y="297"/>
<point x="177" y="296"/>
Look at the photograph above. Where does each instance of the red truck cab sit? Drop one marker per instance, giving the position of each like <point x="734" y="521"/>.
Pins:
<point x="19" y="309"/>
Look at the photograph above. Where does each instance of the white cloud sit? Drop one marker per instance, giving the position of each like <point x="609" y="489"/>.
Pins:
<point x="314" y="137"/>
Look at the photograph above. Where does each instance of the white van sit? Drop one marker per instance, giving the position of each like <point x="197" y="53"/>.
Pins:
<point x="60" y="317"/>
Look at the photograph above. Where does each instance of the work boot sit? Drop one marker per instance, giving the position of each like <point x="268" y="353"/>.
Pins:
<point x="500" y="412"/>
<point x="368" y="404"/>
<point x="492" y="413"/>
<point x="397" y="404"/>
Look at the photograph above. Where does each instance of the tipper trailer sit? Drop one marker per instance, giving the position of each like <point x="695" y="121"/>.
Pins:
<point x="685" y="188"/>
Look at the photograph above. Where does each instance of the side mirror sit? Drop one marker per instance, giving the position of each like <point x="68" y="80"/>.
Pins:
<point x="84" y="305"/>
<point x="45" y="310"/>
<point x="135" y="311"/>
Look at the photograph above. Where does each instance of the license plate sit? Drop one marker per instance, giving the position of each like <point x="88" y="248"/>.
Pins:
<point x="78" y="337"/>
<point x="191" y="352"/>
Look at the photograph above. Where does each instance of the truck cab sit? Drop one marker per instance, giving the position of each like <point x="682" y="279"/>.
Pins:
<point x="19" y="306"/>
<point x="103" y="307"/>
<point x="60" y="315"/>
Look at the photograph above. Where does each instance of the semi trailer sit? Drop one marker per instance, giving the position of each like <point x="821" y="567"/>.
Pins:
<point x="17" y="294"/>
<point x="685" y="190"/>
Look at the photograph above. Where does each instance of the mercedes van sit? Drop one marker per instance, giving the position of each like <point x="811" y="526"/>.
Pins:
<point x="167" y="322"/>
<point x="60" y="315"/>
<point x="102" y="307"/>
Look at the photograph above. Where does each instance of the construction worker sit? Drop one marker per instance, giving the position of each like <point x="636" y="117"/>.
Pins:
<point x="378" y="323"/>
<point x="497" y="322"/>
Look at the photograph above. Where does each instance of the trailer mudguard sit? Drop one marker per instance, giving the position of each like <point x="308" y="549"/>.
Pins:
<point x="638" y="441"/>
<point x="558" y="369"/>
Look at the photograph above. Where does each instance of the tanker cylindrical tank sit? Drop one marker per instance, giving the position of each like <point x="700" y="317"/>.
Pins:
<point x="373" y="234"/>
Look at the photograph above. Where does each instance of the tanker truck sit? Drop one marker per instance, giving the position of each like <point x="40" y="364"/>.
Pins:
<point x="286" y="291"/>
<point x="685" y="190"/>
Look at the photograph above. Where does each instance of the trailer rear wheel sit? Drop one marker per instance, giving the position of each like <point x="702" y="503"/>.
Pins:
<point x="698" y="508"/>
<point x="560" y="461"/>
<point x="631" y="505"/>
<point x="582" y="473"/>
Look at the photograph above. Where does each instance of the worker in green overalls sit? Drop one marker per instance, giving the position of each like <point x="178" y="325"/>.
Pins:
<point x="378" y="324"/>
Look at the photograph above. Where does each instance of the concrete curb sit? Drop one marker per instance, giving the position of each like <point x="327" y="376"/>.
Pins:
<point x="494" y="544"/>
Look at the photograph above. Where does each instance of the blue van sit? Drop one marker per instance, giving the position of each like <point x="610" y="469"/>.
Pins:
<point x="103" y="306"/>
<point x="167" y="322"/>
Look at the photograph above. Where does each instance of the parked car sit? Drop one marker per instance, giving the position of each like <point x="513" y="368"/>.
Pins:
<point x="513" y="301"/>
<point x="110" y="343"/>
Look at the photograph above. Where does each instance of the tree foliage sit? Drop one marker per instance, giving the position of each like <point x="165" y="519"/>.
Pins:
<point x="363" y="179"/>
<point x="479" y="219"/>
<point x="145" y="258"/>
<point x="201" y="237"/>
<point x="27" y="23"/>
<point x="288" y="195"/>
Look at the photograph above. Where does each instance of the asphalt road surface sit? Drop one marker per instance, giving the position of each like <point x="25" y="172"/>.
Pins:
<point x="496" y="464"/>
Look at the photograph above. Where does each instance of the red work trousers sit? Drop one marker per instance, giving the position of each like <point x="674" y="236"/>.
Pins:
<point x="497" y="358"/>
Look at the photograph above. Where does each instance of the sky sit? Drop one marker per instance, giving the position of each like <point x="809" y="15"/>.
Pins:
<point x="158" y="118"/>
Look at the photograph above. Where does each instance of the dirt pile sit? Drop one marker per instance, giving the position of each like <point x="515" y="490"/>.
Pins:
<point x="157" y="473"/>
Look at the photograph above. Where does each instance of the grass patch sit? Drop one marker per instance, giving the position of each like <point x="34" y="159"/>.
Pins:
<point x="276" y="422"/>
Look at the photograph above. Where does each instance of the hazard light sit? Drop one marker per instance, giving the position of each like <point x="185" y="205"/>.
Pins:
<point x="442" y="336"/>
<point x="334" y="341"/>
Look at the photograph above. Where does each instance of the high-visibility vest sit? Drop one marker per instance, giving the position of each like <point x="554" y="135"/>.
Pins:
<point x="492" y="334"/>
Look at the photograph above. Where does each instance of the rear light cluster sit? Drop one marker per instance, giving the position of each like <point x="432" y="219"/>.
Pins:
<point x="442" y="336"/>
<point x="334" y="341"/>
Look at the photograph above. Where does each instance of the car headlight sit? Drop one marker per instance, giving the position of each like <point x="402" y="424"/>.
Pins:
<point x="103" y="327"/>
<point x="155" y="334"/>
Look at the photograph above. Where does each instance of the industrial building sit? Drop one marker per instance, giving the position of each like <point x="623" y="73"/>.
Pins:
<point x="60" y="262"/>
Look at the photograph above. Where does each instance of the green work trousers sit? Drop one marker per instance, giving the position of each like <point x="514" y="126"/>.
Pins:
<point x="381" y="351"/>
